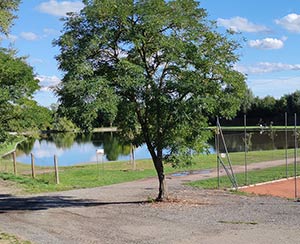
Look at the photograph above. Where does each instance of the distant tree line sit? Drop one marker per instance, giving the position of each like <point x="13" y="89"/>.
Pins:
<point x="266" y="111"/>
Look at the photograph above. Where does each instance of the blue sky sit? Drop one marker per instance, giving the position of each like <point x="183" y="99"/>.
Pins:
<point x="270" y="54"/>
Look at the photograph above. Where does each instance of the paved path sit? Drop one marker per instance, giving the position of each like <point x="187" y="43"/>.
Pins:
<point x="119" y="214"/>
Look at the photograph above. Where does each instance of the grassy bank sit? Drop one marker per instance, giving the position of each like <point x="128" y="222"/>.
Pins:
<point x="10" y="145"/>
<point x="254" y="177"/>
<point x="92" y="175"/>
<point x="256" y="128"/>
<point x="80" y="176"/>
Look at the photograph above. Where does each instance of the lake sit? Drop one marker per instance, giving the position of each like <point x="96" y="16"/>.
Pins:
<point x="76" y="148"/>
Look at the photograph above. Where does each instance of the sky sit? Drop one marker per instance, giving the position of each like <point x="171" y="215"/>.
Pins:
<point x="269" y="32"/>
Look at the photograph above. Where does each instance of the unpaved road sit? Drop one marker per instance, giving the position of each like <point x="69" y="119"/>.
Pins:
<point x="119" y="214"/>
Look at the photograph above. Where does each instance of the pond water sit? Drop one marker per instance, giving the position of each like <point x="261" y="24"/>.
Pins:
<point x="71" y="148"/>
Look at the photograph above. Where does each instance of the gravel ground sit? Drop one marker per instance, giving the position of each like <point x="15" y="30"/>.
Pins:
<point x="121" y="214"/>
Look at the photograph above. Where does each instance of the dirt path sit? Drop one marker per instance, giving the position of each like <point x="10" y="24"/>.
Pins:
<point x="119" y="214"/>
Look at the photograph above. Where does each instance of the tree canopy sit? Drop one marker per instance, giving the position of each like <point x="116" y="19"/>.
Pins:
<point x="18" y="110"/>
<point x="17" y="85"/>
<point x="159" y="68"/>
<point x="7" y="9"/>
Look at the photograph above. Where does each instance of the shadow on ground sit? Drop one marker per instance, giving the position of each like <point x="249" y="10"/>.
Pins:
<point x="10" y="203"/>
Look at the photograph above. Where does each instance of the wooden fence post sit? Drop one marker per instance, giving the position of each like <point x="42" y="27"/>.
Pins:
<point x="56" y="170"/>
<point x="32" y="166"/>
<point x="15" y="162"/>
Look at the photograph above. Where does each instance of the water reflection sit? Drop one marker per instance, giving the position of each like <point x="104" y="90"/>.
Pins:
<point x="257" y="140"/>
<point x="73" y="148"/>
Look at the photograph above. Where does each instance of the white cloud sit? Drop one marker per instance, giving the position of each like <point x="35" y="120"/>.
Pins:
<point x="241" y="24"/>
<point x="291" y="22"/>
<point x="48" y="82"/>
<point x="267" y="43"/>
<point x="49" y="31"/>
<point x="29" y="36"/>
<point x="276" y="87"/>
<point x="60" y="8"/>
<point x="266" y="67"/>
<point x="40" y="151"/>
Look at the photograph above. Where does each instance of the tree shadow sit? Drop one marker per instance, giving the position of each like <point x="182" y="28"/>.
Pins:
<point x="5" y="195"/>
<point x="10" y="203"/>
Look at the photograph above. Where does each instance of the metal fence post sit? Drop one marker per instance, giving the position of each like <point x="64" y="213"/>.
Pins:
<point x="295" y="157"/>
<point x="246" y="149"/>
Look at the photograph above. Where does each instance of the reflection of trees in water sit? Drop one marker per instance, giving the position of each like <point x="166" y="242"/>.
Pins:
<point x="25" y="146"/>
<point x="110" y="142"/>
<point x="257" y="140"/>
<point x="98" y="138"/>
<point x="62" y="140"/>
<point x="247" y="139"/>
<point x="82" y="138"/>
<point x="113" y="147"/>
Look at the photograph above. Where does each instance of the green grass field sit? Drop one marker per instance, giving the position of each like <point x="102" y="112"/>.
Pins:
<point x="92" y="175"/>
<point x="257" y="176"/>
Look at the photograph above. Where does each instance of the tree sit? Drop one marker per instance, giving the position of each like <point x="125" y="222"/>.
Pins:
<point x="161" y="65"/>
<point x="293" y="102"/>
<point x="28" y="115"/>
<point x="7" y="9"/>
<point x="17" y="85"/>
<point x="247" y="101"/>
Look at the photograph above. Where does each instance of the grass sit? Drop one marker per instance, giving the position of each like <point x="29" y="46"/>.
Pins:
<point x="237" y="222"/>
<point x="256" y="176"/>
<point x="255" y="128"/>
<point x="80" y="176"/>
<point x="11" y="239"/>
<point x="10" y="145"/>
<point x="86" y="176"/>
<point x="93" y="175"/>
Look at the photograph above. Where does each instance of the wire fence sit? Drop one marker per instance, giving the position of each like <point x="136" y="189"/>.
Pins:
<point x="263" y="153"/>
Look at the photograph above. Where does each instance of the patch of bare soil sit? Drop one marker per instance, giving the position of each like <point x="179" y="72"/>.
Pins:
<point x="179" y="203"/>
<point x="9" y="188"/>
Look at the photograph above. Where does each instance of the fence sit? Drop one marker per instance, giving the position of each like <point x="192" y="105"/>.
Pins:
<point x="9" y="164"/>
<point x="262" y="153"/>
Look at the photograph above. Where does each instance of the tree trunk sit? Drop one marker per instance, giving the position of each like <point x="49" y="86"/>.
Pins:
<point x="163" y="192"/>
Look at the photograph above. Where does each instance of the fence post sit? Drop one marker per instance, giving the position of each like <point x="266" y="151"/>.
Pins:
<point x="246" y="149"/>
<point x="286" y="145"/>
<point x="32" y="166"/>
<point x="295" y="157"/>
<point x="217" y="142"/>
<point x="15" y="162"/>
<point x="56" y="170"/>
